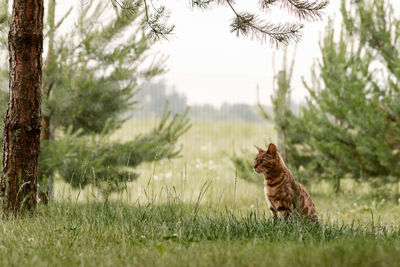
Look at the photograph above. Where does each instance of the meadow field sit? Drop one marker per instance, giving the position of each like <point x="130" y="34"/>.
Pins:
<point x="195" y="211"/>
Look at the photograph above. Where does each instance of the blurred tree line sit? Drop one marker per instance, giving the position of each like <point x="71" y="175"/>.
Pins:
<point x="153" y="96"/>
<point x="350" y="125"/>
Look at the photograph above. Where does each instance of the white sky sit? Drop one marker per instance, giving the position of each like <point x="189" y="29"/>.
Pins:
<point x="211" y="65"/>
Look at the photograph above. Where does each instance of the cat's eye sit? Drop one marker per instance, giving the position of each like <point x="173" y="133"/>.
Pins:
<point x="262" y="161"/>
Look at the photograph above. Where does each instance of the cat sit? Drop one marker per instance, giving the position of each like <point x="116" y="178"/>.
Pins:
<point x="284" y="195"/>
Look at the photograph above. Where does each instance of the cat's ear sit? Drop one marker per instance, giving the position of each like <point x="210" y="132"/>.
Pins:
<point x="272" y="150"/>
<point x="260" y="150"/>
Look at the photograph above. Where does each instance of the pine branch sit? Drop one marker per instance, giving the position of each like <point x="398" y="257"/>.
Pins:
<point x="247" y="24"/>
<point x="244" y="23"/>
<point x="306" y="10"/>
<point x="156" y="20"/>
<point x="201" y="4"/>
<point x="266" y="4"/>
<point x="125" y="5"/>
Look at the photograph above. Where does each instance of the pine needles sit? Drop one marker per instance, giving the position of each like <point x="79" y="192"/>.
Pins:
<point x="250" y="25"/>
<point x="244" y="23"/>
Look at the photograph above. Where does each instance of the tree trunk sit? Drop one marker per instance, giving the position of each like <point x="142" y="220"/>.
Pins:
<point x="23" y="120"/>
<point x="336" y="185"/>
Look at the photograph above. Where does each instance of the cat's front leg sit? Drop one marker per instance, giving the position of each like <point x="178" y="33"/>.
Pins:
<point x="271" y="207"/>
<point x="284" y="210"/>
<point x="273" y="212"/>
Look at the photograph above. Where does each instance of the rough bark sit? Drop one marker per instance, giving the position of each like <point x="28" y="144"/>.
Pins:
<point x="23" y="120"/>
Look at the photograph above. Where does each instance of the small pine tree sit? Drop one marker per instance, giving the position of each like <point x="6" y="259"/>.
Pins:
<point x="109" y="165"/>
<point x="281" y="102"/>
<point x="326" y="118"/>
<point x="92" y="72"/>
<point x="91" y="75"/>
<point x="377" y="25"/>
<point x="348" y="113"/>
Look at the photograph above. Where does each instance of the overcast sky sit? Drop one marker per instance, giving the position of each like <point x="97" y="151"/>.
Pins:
<point x="211" y="65"/>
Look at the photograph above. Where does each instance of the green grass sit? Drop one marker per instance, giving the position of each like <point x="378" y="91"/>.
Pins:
<point x="118" y="234"/>
<point x="193" y="211"/>
<point x="205" y="160"/>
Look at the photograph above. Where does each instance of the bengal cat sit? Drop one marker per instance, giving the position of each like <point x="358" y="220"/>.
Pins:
<point x="284" y="195"/>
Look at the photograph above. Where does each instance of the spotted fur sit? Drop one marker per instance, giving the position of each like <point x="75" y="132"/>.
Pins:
<point x="284" y="195"/>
